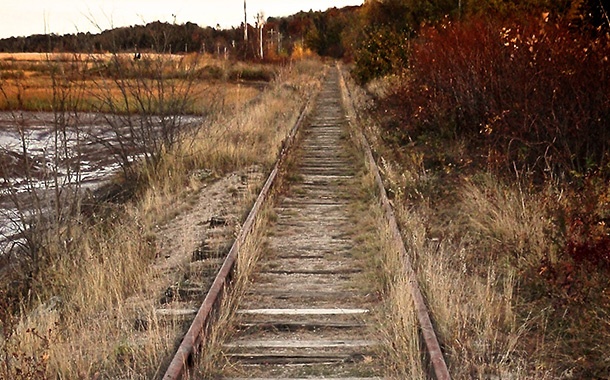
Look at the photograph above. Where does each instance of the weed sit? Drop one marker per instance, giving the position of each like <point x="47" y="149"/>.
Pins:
<point x="469" y="284"/>
<point x="252" y="74"/>
<point x="510" y="244"/>
<point x="98" y="262"/>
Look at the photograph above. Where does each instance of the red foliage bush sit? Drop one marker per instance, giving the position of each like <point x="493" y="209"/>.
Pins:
<point x="530" y="92"/>
<point x="588" y="224"/>
<point x="589" y="242"/>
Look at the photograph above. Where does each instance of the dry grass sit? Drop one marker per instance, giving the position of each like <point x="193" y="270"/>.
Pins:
<point x="558" y="299"/>
<point x="473" y="312"/>
<point x="229" y="148"/>
<point x="469" y="283"/>
<point x="505" y="297"/>
<point x="88" y="286"/>
<point x="397" y="321"/>
<point x="238" y="137"/>
<point x="33" y="92"/>
<point x="495" y="143"/>
<point x="467" y="240"/>
<point x="99" y="273"/>
<point x="32" y="81"/>
<point x="211" y="363"/>
<point x="396" y="316"/>
<point x="509" y="218"/>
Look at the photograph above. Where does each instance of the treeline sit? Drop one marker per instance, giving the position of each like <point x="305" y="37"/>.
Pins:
<point x="374" y="35"/>
<point x="318" y="31"/>
<point x="389" y="26"/>
<point x="157" y="37"/>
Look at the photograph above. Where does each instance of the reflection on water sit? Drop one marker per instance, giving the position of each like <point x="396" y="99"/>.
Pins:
<point x="40" y="152"/>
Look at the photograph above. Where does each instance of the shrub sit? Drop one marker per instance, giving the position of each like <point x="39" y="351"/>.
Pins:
<point x="210" y="72"/>
<point x="585" y="223"/>
<point x="383" y="52"/>
<point x="530" y="93"/>
<point x="253" y="73"/>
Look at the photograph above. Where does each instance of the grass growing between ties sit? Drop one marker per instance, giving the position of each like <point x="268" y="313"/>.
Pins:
<point x="397" y="324"/>
<point x="211" y="363"/>
<point x="76" y="315"/>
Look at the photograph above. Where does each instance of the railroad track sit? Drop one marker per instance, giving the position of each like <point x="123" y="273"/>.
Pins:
<point x="306" y="313"/>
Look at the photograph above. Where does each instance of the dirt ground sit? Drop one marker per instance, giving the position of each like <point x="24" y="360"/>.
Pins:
<point x="211" y="215"/>
<point x="190" y="249"/>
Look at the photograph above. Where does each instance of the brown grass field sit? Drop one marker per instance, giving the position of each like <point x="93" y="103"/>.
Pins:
<point x="73" y="317"/>
<point x="38" y="81"/>
<point x="82" y="57"/>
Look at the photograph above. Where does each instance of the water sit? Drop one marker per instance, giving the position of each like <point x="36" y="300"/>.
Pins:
<point x="83" y="154"/>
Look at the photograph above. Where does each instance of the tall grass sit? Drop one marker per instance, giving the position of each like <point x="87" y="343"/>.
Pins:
<point x="79" y="320"/>
<point x="468" y="278"/>
<point x="211" y="363"/>
<point x="397" y="324"/>
<point x="470" y="296"/>
<point x="396" y="317"/>
<point x="494" y="146"/>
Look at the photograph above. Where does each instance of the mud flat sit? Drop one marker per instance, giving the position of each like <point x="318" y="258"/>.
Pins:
<point x="43" y="151"/>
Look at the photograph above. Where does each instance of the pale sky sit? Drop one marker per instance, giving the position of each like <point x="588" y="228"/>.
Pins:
<point x="27" y="17"/>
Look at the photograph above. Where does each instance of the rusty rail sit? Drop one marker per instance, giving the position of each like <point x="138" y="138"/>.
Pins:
<point x="193" y="339"/>
<point x="437" y="360"/>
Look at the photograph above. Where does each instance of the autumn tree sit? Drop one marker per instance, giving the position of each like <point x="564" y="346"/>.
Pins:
<point x="388" y="27"/>
<point x="325" y="35"/>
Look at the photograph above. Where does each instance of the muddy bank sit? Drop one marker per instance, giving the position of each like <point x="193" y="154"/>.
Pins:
<point x="41" y="152"/>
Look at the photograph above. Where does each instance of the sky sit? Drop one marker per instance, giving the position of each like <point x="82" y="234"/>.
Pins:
<point x="27" y="17"/>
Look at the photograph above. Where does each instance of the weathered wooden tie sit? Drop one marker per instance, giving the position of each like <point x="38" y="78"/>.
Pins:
<point x="306" y="314"/>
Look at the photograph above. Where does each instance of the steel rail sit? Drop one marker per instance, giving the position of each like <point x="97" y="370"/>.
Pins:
<point x="193" y="339"/>
<point x="437" y="360"/>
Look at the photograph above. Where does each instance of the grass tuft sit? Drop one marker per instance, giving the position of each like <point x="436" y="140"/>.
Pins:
<point x="97" y="267"/>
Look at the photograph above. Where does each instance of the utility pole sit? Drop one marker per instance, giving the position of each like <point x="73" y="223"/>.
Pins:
<point x="260" y="23"/>
<point x="245" y="23"/>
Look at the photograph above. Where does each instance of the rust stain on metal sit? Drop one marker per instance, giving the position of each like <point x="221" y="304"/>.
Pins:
<point x="437" y="360"/>
<point x="191" y="343"/>
<point x="310" y="315"/>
